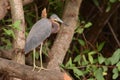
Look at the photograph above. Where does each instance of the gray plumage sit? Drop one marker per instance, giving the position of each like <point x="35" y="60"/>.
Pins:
<point x="39" y="32"/>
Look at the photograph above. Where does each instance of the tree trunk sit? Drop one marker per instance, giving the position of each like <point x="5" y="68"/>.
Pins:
<point x="19" y="41"/>
<point x="64" y="37"/>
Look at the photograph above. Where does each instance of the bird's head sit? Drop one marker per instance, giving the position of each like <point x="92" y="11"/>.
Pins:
<point x="55" y="23"/>
<point x="55" y="18"/>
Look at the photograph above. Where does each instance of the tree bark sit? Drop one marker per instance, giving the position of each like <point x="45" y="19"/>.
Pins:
<point x="65" y="35"/>
<point x="4" y="6"/>
<point x="25" y="72"/>
<point x="19" y="41"/>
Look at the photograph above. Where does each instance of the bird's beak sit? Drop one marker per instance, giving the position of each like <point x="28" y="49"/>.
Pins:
<point x="59" y="20"/>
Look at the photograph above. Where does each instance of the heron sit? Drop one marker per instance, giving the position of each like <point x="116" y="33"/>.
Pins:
<point x="40" y="31"/>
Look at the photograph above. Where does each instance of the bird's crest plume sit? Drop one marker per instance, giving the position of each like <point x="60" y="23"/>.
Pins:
<point x="44" y="13"/>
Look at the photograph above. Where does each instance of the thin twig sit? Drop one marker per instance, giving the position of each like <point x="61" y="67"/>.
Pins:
<point x="114" y="35"/>
<point x="87" y="42"/>
<point x="36" y="10"/>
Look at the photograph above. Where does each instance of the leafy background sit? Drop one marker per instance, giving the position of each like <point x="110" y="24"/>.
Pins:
<point x="84" y="60"/>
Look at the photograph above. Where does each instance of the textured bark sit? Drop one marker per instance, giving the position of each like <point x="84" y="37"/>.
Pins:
<point x="25" y="72"/>
<point x="6" y="54"/>
<point x="25" y="2"/>
<point x="19" y="41"/>
<point x="4" y="6"/>
<point x="65" y="35"/>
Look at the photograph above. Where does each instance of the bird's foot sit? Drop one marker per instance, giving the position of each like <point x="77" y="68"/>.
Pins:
<point x="35" y="67"/>
<point x="42" y="68"/>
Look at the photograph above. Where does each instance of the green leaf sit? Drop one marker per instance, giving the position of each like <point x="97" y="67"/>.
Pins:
<point x="96" y="3"/>
<point x="7" y="42"/>
<point x="69" y="51"/>
<point x="101" y="59"/>
<point x="45" y="48"/>
<point x="100" y="46"/>
<point x="84" y="62"/>
<point x="37" y="55"/>
<point x="107" y="61"/>
<point x="16" y="25"/>
<point x="91" y="79"/>
<point x="62" y="66"/>
<point x="118" y="65"/>
<point x="92" y="52"/>
<point x="86" y="51"/>
<point x="90" y="59"/>
<point x="115" y="73"/>
<point x="115" y="57"/>
<point x="87" y="25"/>
<point x="9" y="33"/>
<point x="69" y="64"/>
<point x="90" y="56"/>
<point x="77" y="59"/>
<point x="108" y="7"/>
<point x="77" y="71"/>
<point x="115" y="76"/>
<point x="80" y="30"/>
<point x="98" y="74"/>
<point x="113" y="1"/>
<point x="105" y="68"/>
<point x="81" y="42"/>
<point x="76" y="49"/>
<point x="115" y="70"/>
<point x="93" y="68"/>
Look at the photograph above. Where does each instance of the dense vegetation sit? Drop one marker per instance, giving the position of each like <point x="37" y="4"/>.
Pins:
<point x="94" y="53"/>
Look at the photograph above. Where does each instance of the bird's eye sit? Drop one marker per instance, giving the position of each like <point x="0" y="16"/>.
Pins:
<point x="55" y="19"/>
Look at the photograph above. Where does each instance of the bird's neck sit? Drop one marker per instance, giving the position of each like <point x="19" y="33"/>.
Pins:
<point x="55" y="27"/>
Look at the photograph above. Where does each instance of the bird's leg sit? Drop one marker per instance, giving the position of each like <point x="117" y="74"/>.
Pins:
<point x="34" y="65"/>
<point x="41" y="64"/>
<point x="41" y="55"/>
<point x="34" y="60"/>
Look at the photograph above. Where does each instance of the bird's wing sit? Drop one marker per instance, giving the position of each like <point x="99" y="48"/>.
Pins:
<point x="39" y="32"/>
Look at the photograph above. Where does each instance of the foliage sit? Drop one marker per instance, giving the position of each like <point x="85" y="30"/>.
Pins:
<point x="84" y="25"/>
<point x="9" y="31"/>
<point x="85" y="62"/>
<point x="90" y="64"/>
<point x="56" y="6"/>
<point x="109" y="4"/>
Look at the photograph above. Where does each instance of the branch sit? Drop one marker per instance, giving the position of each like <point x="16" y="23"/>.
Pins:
<point x="100" y="23"/>
<point x="19" y="41"/>
<point x="6" y="54"/>
<point x="25" y="72"/>
<point x="25" y="2"/>
<point x="4" y="6"/>
<point x="113" y="33"/>
<point x="65" y="35"/>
